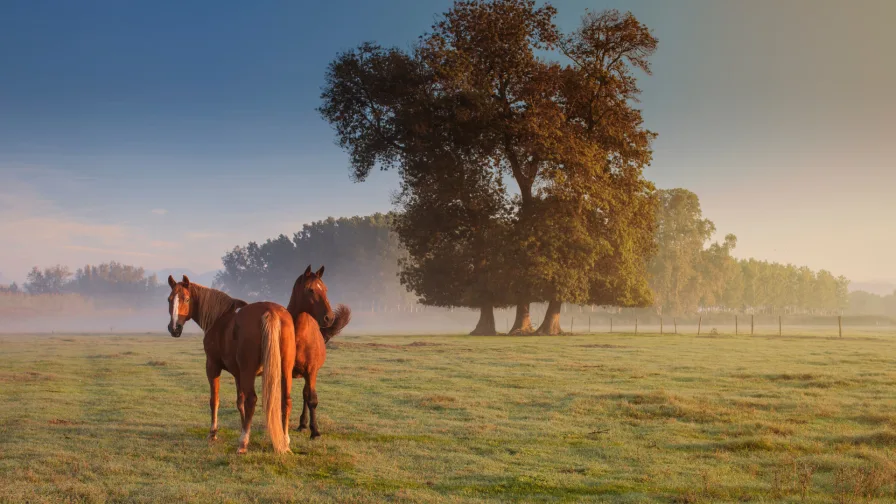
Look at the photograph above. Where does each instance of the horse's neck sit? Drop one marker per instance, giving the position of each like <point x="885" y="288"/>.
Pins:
<point x="210" y="305"/>
<point x="296" y="307"/>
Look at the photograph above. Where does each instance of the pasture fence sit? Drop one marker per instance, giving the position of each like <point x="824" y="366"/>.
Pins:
<point x="719" y="325"/>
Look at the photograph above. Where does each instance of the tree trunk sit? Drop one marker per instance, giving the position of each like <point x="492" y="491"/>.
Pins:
<point x="550" y="326"/>
<point x="522" y="323"/>
<point x="486" y="324"/>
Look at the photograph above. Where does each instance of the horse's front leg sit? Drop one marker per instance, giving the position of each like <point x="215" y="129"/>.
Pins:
<point x="309" y="394"/>
<point x="303" y="418"/>
<point x="213" y="372"/>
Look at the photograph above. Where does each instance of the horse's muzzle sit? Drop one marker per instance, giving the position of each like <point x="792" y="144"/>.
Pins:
<point x="175" y="330"/>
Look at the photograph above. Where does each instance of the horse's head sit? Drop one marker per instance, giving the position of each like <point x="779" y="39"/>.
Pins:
<point x="180" y="308"/>
<point x="309" y="295"/>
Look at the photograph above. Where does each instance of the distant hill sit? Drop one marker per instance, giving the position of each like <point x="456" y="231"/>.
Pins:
<point x="201" y="278"/>
<point x="882" y="288"/>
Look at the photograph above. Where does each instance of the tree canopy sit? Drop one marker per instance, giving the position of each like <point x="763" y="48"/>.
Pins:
<point x="495" y="87"/>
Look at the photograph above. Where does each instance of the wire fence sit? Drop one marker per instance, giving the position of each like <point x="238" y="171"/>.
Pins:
<point x="733" y="325"/>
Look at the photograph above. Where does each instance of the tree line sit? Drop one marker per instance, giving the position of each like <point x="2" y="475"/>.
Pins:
<point x="689" y="274"/>
<point x="867" y="303"/>
<point x="365" y="262"/>
<point x="128" y="284"/>
<point x="366" y="266"/>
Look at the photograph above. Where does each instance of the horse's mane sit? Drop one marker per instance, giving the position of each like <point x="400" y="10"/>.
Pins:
<point x="343" y="317"/>
<point x="212" y="304"/>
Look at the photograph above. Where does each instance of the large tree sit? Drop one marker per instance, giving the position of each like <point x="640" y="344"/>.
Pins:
<point x="562" y="129"/>
<point x="453" y="225"/>
<point x="565" y="131"/>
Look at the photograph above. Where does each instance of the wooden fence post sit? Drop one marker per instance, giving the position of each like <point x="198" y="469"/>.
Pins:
<point x="735" y="325"/>
<point x="699" y="324"/>
<point x="779" y="325"/>
<point x="840" y="324"/>
<point x="661" y="326"/>
<point x="675" y="324"/>
<point x="751" y="324"/>
<point x="611" y="325"/>
<point x="571" y="322"/>
<point x="636" y="325"/>
<point x="589" y="324"/>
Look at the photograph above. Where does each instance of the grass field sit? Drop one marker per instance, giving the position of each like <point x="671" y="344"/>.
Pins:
<point x="603" y="418"/>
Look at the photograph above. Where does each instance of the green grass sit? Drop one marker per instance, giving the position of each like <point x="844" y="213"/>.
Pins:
<point x="603" y="418"/>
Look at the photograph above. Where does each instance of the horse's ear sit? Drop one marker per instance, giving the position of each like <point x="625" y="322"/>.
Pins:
<point x="171" y="281"/>
<point x="320" y="272"/>
<point x="186" y="282"/>
<point x="308" y="270"/>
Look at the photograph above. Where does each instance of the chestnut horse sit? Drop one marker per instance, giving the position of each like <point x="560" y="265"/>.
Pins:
<point x="315" y="324"/>
<point x="247" y="340"/>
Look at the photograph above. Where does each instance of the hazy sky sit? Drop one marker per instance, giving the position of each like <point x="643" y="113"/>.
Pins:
<point x="163" y="135"/>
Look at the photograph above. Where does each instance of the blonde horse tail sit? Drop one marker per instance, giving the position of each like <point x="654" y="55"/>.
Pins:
<point x="271" y="371"/>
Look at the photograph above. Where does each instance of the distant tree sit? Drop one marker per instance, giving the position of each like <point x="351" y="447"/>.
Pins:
<point x="681" y="233"/>
<point x="112" y="279"/>
<point x="12" y="288"/>
<point x="721" y="278"/>
<point x="243" y="275"/>
<point x="866" y="303"/>
<point x="50" y="280"/>
<point x="361" y="256"/>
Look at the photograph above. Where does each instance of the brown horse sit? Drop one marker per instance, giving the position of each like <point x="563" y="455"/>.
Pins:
<point x="315" y="324"/>
<point x="247" y="340"/>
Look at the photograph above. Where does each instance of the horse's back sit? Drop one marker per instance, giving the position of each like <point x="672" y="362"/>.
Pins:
<point x="249" y="323"/>
<point x="255" y="311"/>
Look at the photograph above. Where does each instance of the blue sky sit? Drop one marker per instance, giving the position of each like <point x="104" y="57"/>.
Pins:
<point x="165" y="133"/>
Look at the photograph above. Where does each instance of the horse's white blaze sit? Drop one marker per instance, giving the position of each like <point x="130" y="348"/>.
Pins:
<point x="174" y="308"/>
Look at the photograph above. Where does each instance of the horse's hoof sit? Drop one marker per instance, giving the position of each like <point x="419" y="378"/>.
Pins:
<point x="241" y="451"/>
<point x="213" y="436"/>
<point x="315" y="435"/>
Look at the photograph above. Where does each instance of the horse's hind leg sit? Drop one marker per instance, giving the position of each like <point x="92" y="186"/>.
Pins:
<point x="309" y="394"/>
<point x="213" y="372"/>
<point x="240" y="399"/>
<point x="247" y="387"/>
<point x="286" y="398"/>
